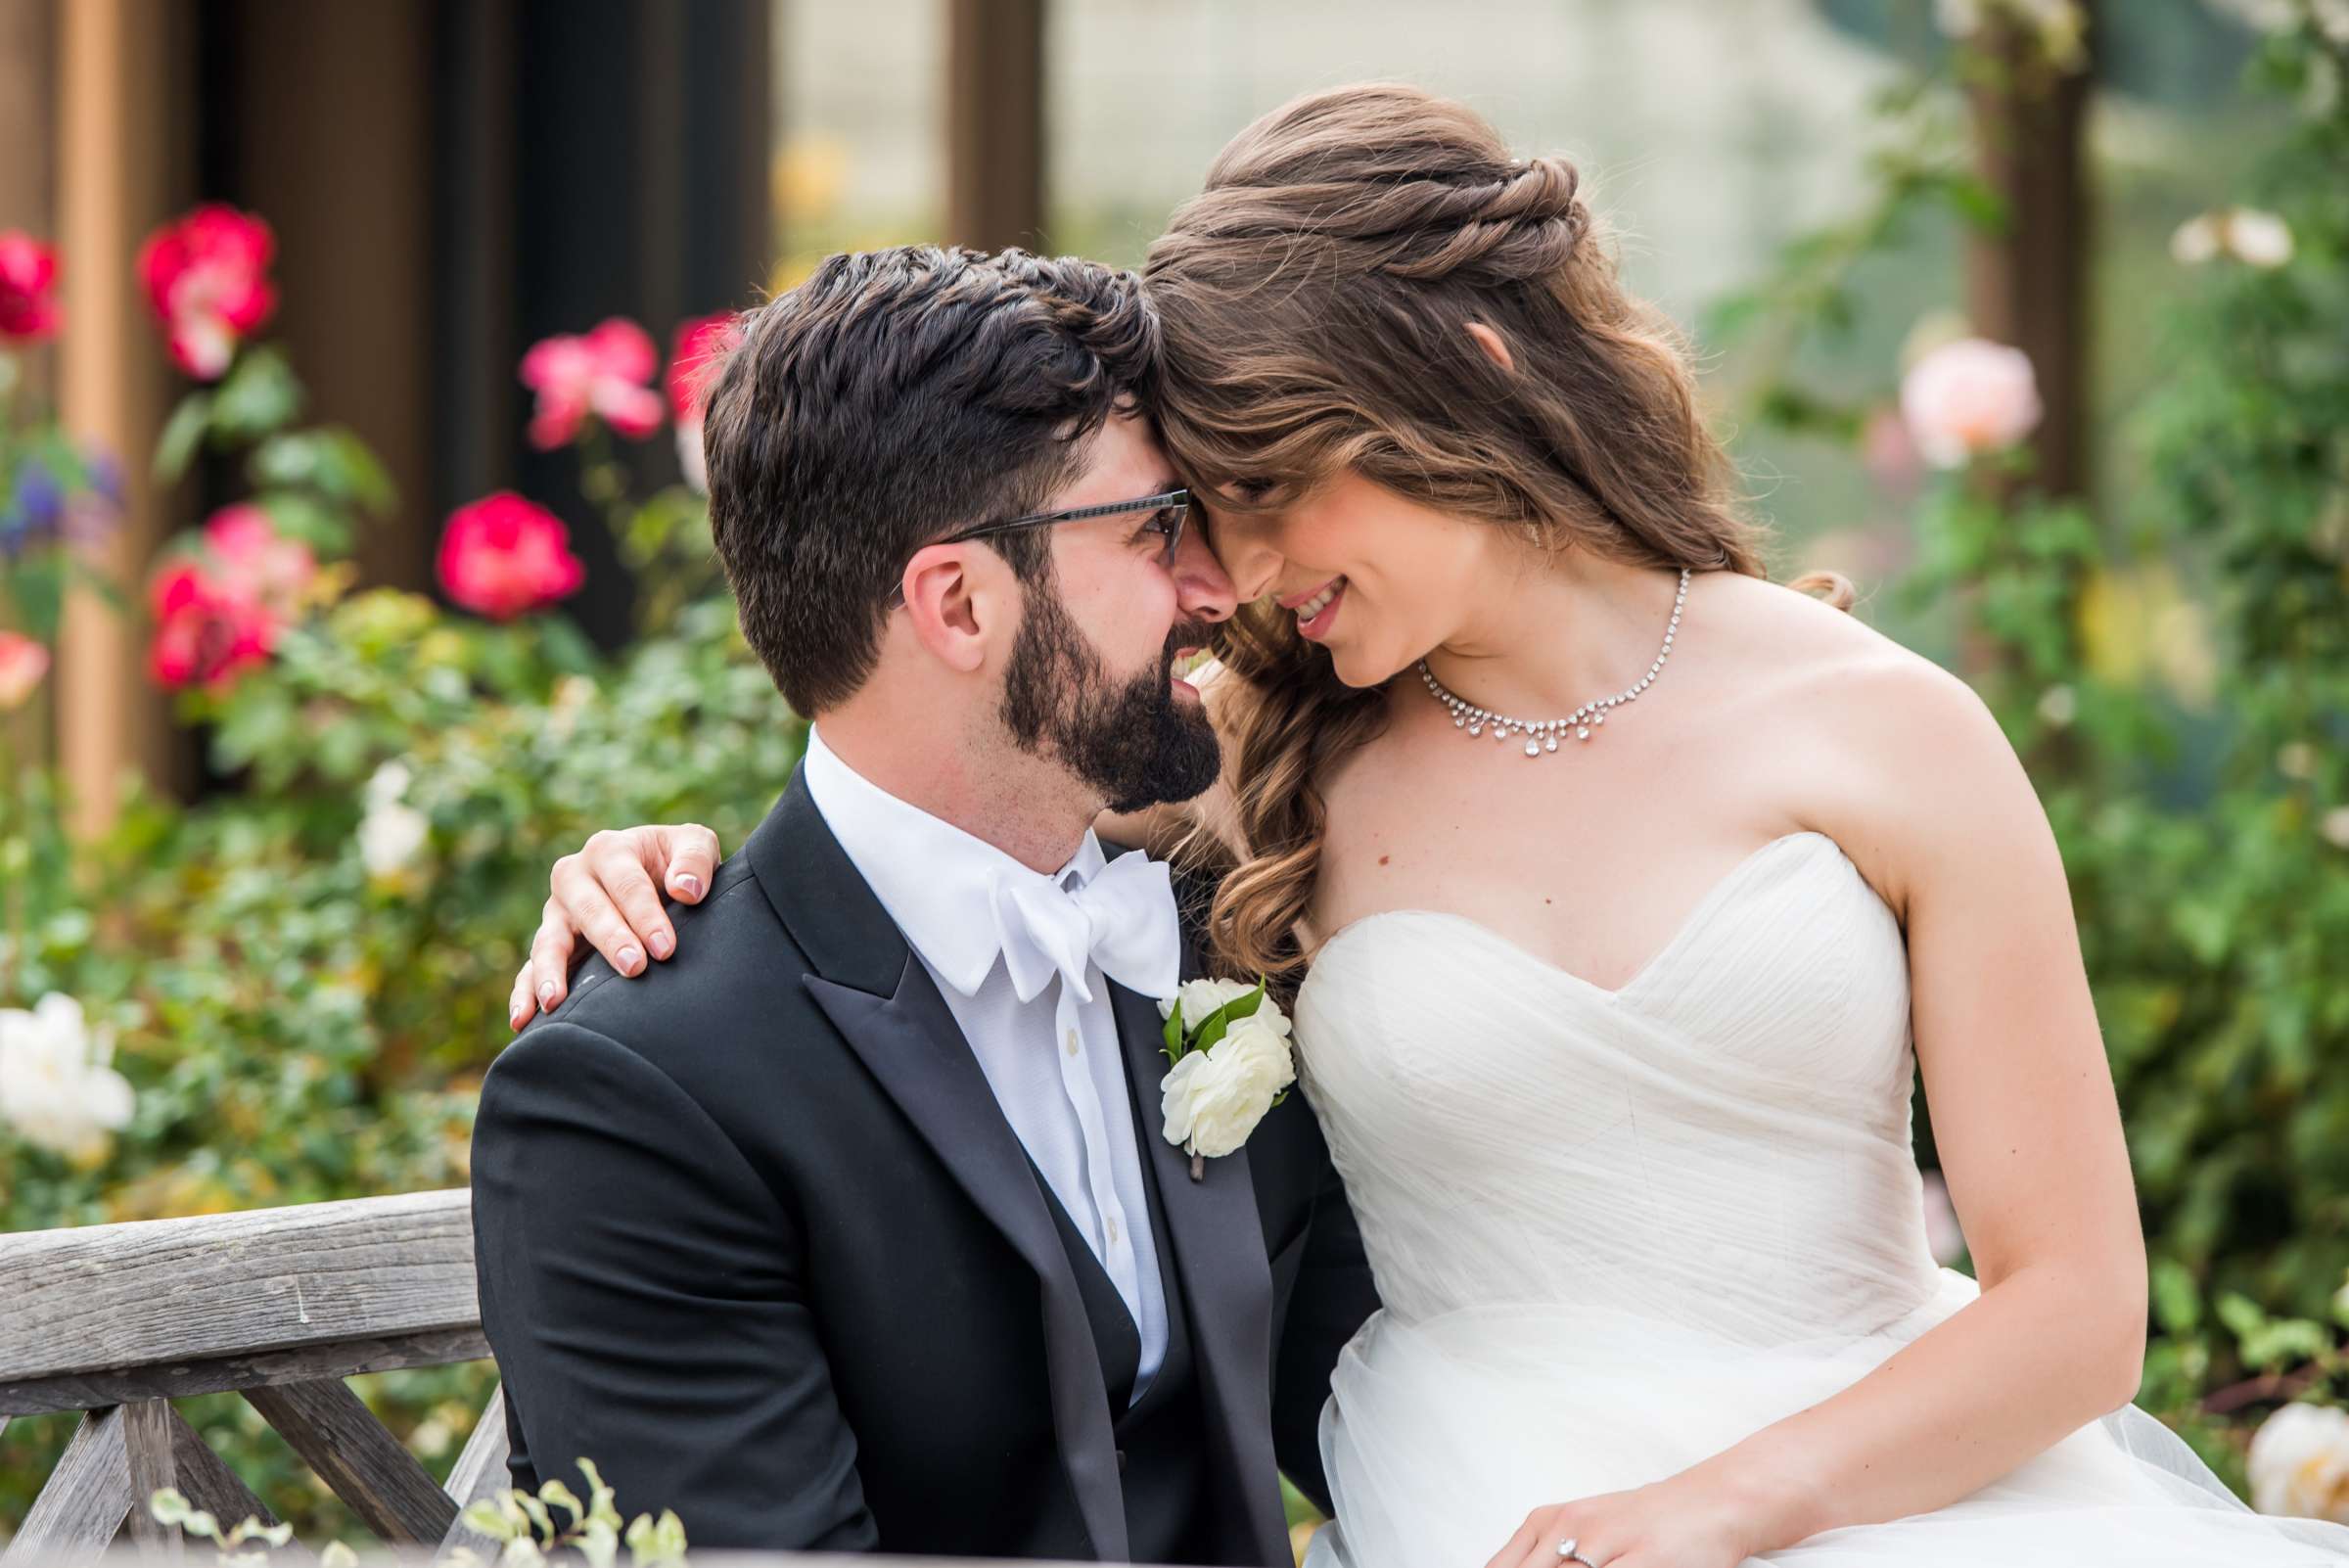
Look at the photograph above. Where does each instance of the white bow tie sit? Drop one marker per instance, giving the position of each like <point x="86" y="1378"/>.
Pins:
<point x="1123" y="920"/>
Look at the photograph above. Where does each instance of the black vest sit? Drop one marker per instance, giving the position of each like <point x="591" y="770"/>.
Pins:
<point x="1159" y="1437"/>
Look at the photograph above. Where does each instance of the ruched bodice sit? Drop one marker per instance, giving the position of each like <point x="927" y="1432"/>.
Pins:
<point x="1618" y="1230"/>
<point x="1741" y="1107"/>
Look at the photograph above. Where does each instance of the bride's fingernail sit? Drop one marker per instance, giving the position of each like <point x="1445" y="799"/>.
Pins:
<point x="630" y="961"/>
<point x="690" y="887"/>
<point x="546" y="991"/>
<point x="659" y="942"/>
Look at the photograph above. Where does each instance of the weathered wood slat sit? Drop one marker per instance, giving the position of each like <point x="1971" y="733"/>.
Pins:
<point x="480" y="1470"/>
<point x="206" y="1481"/>
<point x="302" y="1364"/>
<point x="83" y="1504"/>
<point x="121" y="1296"/>
<point x="147" y="1451"/>
<point x="331" y="1428"/>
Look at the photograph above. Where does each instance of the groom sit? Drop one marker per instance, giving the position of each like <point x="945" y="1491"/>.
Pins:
<point x="852" y="1226"/>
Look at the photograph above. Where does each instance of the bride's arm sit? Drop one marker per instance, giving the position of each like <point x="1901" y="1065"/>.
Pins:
<point x="1944" y="821"/>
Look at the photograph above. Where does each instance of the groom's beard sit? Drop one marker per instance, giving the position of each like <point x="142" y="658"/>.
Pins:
<point x="1132" y="740"/>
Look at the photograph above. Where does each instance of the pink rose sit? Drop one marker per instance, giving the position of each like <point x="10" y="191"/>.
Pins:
<point x="601" y="373"/>
<point x="23" y="663"/>
<point x="700" y="354"/>
<point x="28" y="309"/>
<point x="503" y="556"/>
<point x="205" y="632"/>
<point x="1968" y="397"/>
<point x="257" y="563"/>
<point x="207" y="279"/>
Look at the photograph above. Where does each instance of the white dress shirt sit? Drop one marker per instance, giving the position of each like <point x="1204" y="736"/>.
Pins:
<point x="1054" y="1061"/>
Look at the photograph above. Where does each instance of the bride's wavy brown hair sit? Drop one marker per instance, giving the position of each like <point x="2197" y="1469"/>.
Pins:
<point x="1315" y="298"/>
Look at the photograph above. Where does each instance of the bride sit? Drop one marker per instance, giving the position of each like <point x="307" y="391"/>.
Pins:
<point x="1623" y="892"/>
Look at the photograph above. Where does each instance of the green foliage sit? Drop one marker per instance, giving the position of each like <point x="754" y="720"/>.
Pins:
<point x="305" y="976"/>
<point x="2192" y="751"/>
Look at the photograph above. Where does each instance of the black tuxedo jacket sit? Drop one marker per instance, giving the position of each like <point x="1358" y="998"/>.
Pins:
<point x="755" y="1237"/>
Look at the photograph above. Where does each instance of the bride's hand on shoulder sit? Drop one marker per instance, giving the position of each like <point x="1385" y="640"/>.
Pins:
<point x="610" y="891"/>
<point x="1684" y="1522"/>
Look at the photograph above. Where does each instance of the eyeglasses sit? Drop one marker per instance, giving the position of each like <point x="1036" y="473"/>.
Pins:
<point x="1175" y="504"/>
<point x="1173" y="509"/>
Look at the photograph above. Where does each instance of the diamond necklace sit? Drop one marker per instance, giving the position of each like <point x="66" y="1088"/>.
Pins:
<point x="1542" y="735"/>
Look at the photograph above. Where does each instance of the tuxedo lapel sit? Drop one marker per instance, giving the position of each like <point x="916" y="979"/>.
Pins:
<point x="882" y="1001"/>
<point x="1214" y="1230"/>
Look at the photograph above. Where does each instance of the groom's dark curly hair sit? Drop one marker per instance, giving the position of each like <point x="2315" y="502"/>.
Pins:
<point x="892" y="397"/>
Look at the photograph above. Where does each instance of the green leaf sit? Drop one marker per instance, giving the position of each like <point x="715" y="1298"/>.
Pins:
<point x="1219" y="1023"/>
<point x="490" y="1520"/>
<point x="182" y="434"/>
<point x="37" y="584"/>
<point x="2177" y="1299"/>
<point x="2240" y="1313"/>
<point x="259" y="397"/>
<point x="170" y="1507"/>
<point x="561" y="1497"/>
<point x="1172" y="1033"/>
<point x="537" y="1512"/>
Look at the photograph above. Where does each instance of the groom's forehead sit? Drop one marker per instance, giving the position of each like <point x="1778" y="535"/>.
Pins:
<point x="1122" y="460"/>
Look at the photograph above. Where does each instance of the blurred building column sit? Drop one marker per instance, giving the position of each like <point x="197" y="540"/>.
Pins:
<point x="994" y="122"/>
<point x="2027" y="283"/>
<point x="322" y="123"/>
<point x="123" y="162"/>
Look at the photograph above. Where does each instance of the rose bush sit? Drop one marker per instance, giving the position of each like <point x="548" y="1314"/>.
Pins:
<point x="288" y="991"/>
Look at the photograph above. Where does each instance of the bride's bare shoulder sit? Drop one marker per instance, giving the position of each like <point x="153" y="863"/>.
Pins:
<point x="1159" y="828"/>
<point x="1903" y="762"/>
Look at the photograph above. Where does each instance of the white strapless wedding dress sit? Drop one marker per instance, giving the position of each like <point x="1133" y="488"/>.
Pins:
<point x="1616" y="1232"/>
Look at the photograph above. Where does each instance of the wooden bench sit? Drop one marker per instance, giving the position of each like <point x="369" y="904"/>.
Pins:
<point x="278" y="1305"/>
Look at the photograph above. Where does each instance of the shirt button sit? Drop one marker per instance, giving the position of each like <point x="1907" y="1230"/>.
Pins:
<point x="1113" y="1230"/>
<point x="1072" y="1042"/>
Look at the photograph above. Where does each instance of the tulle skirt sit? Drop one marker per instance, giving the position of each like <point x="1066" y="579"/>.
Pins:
<point x="1440" y="1436"/>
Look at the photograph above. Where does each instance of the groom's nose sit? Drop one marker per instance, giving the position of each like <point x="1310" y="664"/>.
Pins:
<point x="1203" y="591"/>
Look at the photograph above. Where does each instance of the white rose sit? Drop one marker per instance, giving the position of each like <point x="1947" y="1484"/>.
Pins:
<point x="2258" y="239"/>
<point x="1213" y="1098"/>
<point x="392" y="832"/>
<point x="2300" y="1463"/>
<point x="2253" y="237"/>
<point x="1200" y="998"/>
<point x="55" y="1087"/>
<point x="2195" y="241"/>
<point x="1968" y="397"/>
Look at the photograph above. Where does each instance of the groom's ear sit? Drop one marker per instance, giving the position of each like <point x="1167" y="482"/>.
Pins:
<point x="953" y="605"/>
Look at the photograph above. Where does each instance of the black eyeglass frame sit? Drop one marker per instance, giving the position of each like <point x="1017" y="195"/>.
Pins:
<point x="1180" y="500"/>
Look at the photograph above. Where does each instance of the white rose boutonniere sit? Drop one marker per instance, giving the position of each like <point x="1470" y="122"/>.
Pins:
<point x="1229" y="1043"/>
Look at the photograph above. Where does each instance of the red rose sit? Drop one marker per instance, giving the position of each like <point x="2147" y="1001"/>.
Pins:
<point x="255" y="562"/>
<point x="205" y="632"/>
<point x="503" y="556"/>
<point x="701" y="350"/>
<point x="601" y="373"/>
<point x="23" y="663"/>
<point x="698" y="354"/>
<point x="207" y="277"/>
<point x="28" y="310"/>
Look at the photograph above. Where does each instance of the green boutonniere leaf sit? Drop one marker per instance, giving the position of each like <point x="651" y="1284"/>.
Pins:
<point x="1219" y="1023"/>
